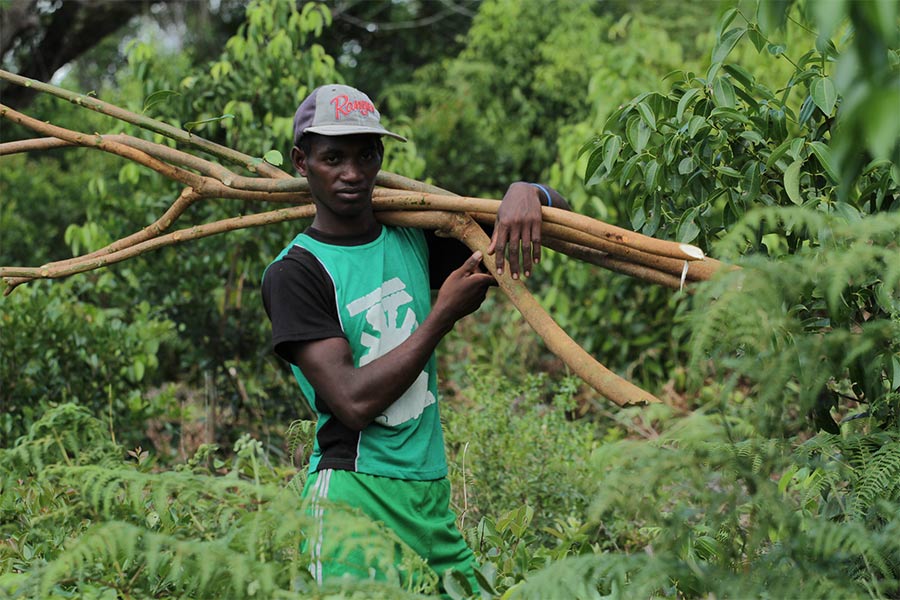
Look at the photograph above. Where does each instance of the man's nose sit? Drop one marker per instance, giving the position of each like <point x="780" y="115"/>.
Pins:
<point x="352" y="171"/>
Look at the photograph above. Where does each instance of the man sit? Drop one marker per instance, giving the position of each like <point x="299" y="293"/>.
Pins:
<point x="350" y="305"/>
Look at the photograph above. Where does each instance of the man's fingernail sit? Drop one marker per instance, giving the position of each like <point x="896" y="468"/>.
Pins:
<point x="515" y="275"/>
<point x="527" y="273"/>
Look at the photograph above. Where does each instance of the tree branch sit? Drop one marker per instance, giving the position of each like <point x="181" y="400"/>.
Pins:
<point x="397" y="200"/>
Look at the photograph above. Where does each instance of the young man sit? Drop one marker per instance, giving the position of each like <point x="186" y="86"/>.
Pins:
<point x="350" y="305"/>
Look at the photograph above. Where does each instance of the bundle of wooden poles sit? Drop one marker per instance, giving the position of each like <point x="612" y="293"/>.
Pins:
<point x="398" y="200"/>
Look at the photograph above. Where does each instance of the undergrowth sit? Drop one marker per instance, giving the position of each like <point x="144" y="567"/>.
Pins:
<point x="77" y="519"/>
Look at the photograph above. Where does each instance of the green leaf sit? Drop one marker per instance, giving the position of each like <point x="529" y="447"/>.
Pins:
<point x="751" y="135"/>
<point x="824" y="94"/>
<point x="695" y="124"/>
<point x="728" y="172"/>
<point x="456" y="585"/>
<point x="590" y="145"/>
<point x="786" y="478"/>
<point x="274" y="157"/>
<point x="157" y="97"/>
<point x="847" y="212"/>
<point x="723" y="93"/>
<point x="726" y="43"/>
<point x="828" y="15"/>
<point x="823" y="154"/>
<point x="759" y="41"/>
<point x="643" y="137"/>
<point x="880" y="123"/>
<point x="751" y="181"/>
<point x="651" y="176"/>
<point x="797" y="147"/>
<point x="688" y="230"/>
<point x="771" y="14"/>
<point x="779" y="124"/>
<point x="741" y="75"/>
<point x="778" y="152"/>
<point x="647" y="115"/>
<point x="686" y="165"/>
<point x="486" y="575"/>
<point x="628" y="169"/>
<point x="730" y="113"/>
<point x="806" y="110"/>
<point x="593" y="167"/>
<point x="652" y="224"/>
<point x="672" y="148"/>
<point x="638" y="134"/>
<point x="631" y="132"/>
<point x="611" y="152"/>
<point x="752" y="104"/>
<point x="775" y="49"/>
<point x="726" y="20"/>
<point x="792" y="181"/>
<point x="684" y="101"/>
<point x="805" y="75"/>
<point x="190" y="125"/>
<point x="638" y="215"/>
<point x="138" y="370"/>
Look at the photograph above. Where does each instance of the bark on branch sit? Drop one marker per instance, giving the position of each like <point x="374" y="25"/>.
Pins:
<point x="398" y="200"/>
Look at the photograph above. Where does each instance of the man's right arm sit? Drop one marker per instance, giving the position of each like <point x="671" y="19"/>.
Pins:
<point x="356" y="395"/>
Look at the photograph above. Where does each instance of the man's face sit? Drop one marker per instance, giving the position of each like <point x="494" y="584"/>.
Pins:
<point x="341" y="172"/>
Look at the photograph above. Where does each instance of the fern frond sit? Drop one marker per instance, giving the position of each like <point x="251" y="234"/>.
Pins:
<point x="879" y="478"/>
<point x="65" y="434"/>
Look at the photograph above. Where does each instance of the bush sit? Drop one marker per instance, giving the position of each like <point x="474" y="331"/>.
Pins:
<point x="97" y="357"/>
<point x="508" y="448"/>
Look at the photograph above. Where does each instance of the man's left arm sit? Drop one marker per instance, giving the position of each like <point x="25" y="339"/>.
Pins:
<point x="517" y="230"/>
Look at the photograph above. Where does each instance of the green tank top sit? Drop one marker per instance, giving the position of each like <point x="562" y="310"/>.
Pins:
<point x="382" y="294"/>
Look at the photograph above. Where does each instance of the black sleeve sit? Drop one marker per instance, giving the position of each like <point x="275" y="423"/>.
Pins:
<point x="445" y="254"/>
<point x="299" y="298"/>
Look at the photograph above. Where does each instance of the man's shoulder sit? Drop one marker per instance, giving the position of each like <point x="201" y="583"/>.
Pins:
<point x="295" y="262"/>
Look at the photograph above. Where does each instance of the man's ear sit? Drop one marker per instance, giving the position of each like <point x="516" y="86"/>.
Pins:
<point x="298" y="158"/>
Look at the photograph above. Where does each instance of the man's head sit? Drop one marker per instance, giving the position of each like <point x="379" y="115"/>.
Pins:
<point x="338" y="148"/>
<point x="337" y="110"/>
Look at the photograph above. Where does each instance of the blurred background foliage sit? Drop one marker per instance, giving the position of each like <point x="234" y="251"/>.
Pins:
<point x="765" y="132"/>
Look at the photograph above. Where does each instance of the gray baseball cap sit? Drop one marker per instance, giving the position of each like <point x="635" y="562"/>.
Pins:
<point x="336" y="109"/>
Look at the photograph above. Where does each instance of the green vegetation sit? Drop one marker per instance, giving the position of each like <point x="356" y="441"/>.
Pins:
<point x="151" y="445"/>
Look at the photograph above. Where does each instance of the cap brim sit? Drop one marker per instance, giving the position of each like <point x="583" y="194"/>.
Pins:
<point x="336" y="130"/>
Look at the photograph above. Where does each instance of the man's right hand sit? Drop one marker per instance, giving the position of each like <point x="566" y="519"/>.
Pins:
<point x="463" y="291"/>
<point x="356" y="395"/>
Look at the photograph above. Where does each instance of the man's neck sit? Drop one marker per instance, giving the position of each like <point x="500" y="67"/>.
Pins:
<point x="344" y="232"/>
<point x="332" y="225"/>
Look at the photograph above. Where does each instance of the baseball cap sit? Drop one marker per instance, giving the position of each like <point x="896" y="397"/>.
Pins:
<point x="336" y="109"/>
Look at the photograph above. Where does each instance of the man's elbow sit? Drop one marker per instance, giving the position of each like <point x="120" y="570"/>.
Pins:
<point x="350" y="414"/>
<point x="354" y="422"/>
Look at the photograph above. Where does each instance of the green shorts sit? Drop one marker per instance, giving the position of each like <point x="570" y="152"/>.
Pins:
<point x="350" y="512"/>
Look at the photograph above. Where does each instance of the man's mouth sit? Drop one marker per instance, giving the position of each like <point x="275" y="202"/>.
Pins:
<point x="351" y="193"/>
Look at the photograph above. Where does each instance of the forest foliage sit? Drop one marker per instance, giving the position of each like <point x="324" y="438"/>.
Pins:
<point x="151" y="445"/>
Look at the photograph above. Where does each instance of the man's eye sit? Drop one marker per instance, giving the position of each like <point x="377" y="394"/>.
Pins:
<point x="332" y="160"/>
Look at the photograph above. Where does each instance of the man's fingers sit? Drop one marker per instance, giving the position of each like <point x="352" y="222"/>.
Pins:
<point x="514" y="257"/>
<point x="484" y="278"/>
<point x="471" y="264"/>
<point x="499" y="245"/>
<point x="493" y="245"/>
<point x="536" y="243"/>
<point x="526" y="255"/>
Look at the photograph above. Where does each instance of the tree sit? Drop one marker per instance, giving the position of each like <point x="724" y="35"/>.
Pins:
<point x="381" y="44"/>
<point x="37" y="39"/>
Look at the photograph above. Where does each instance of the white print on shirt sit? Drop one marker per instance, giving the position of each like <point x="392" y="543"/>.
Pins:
<point x="383" y="315"/>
